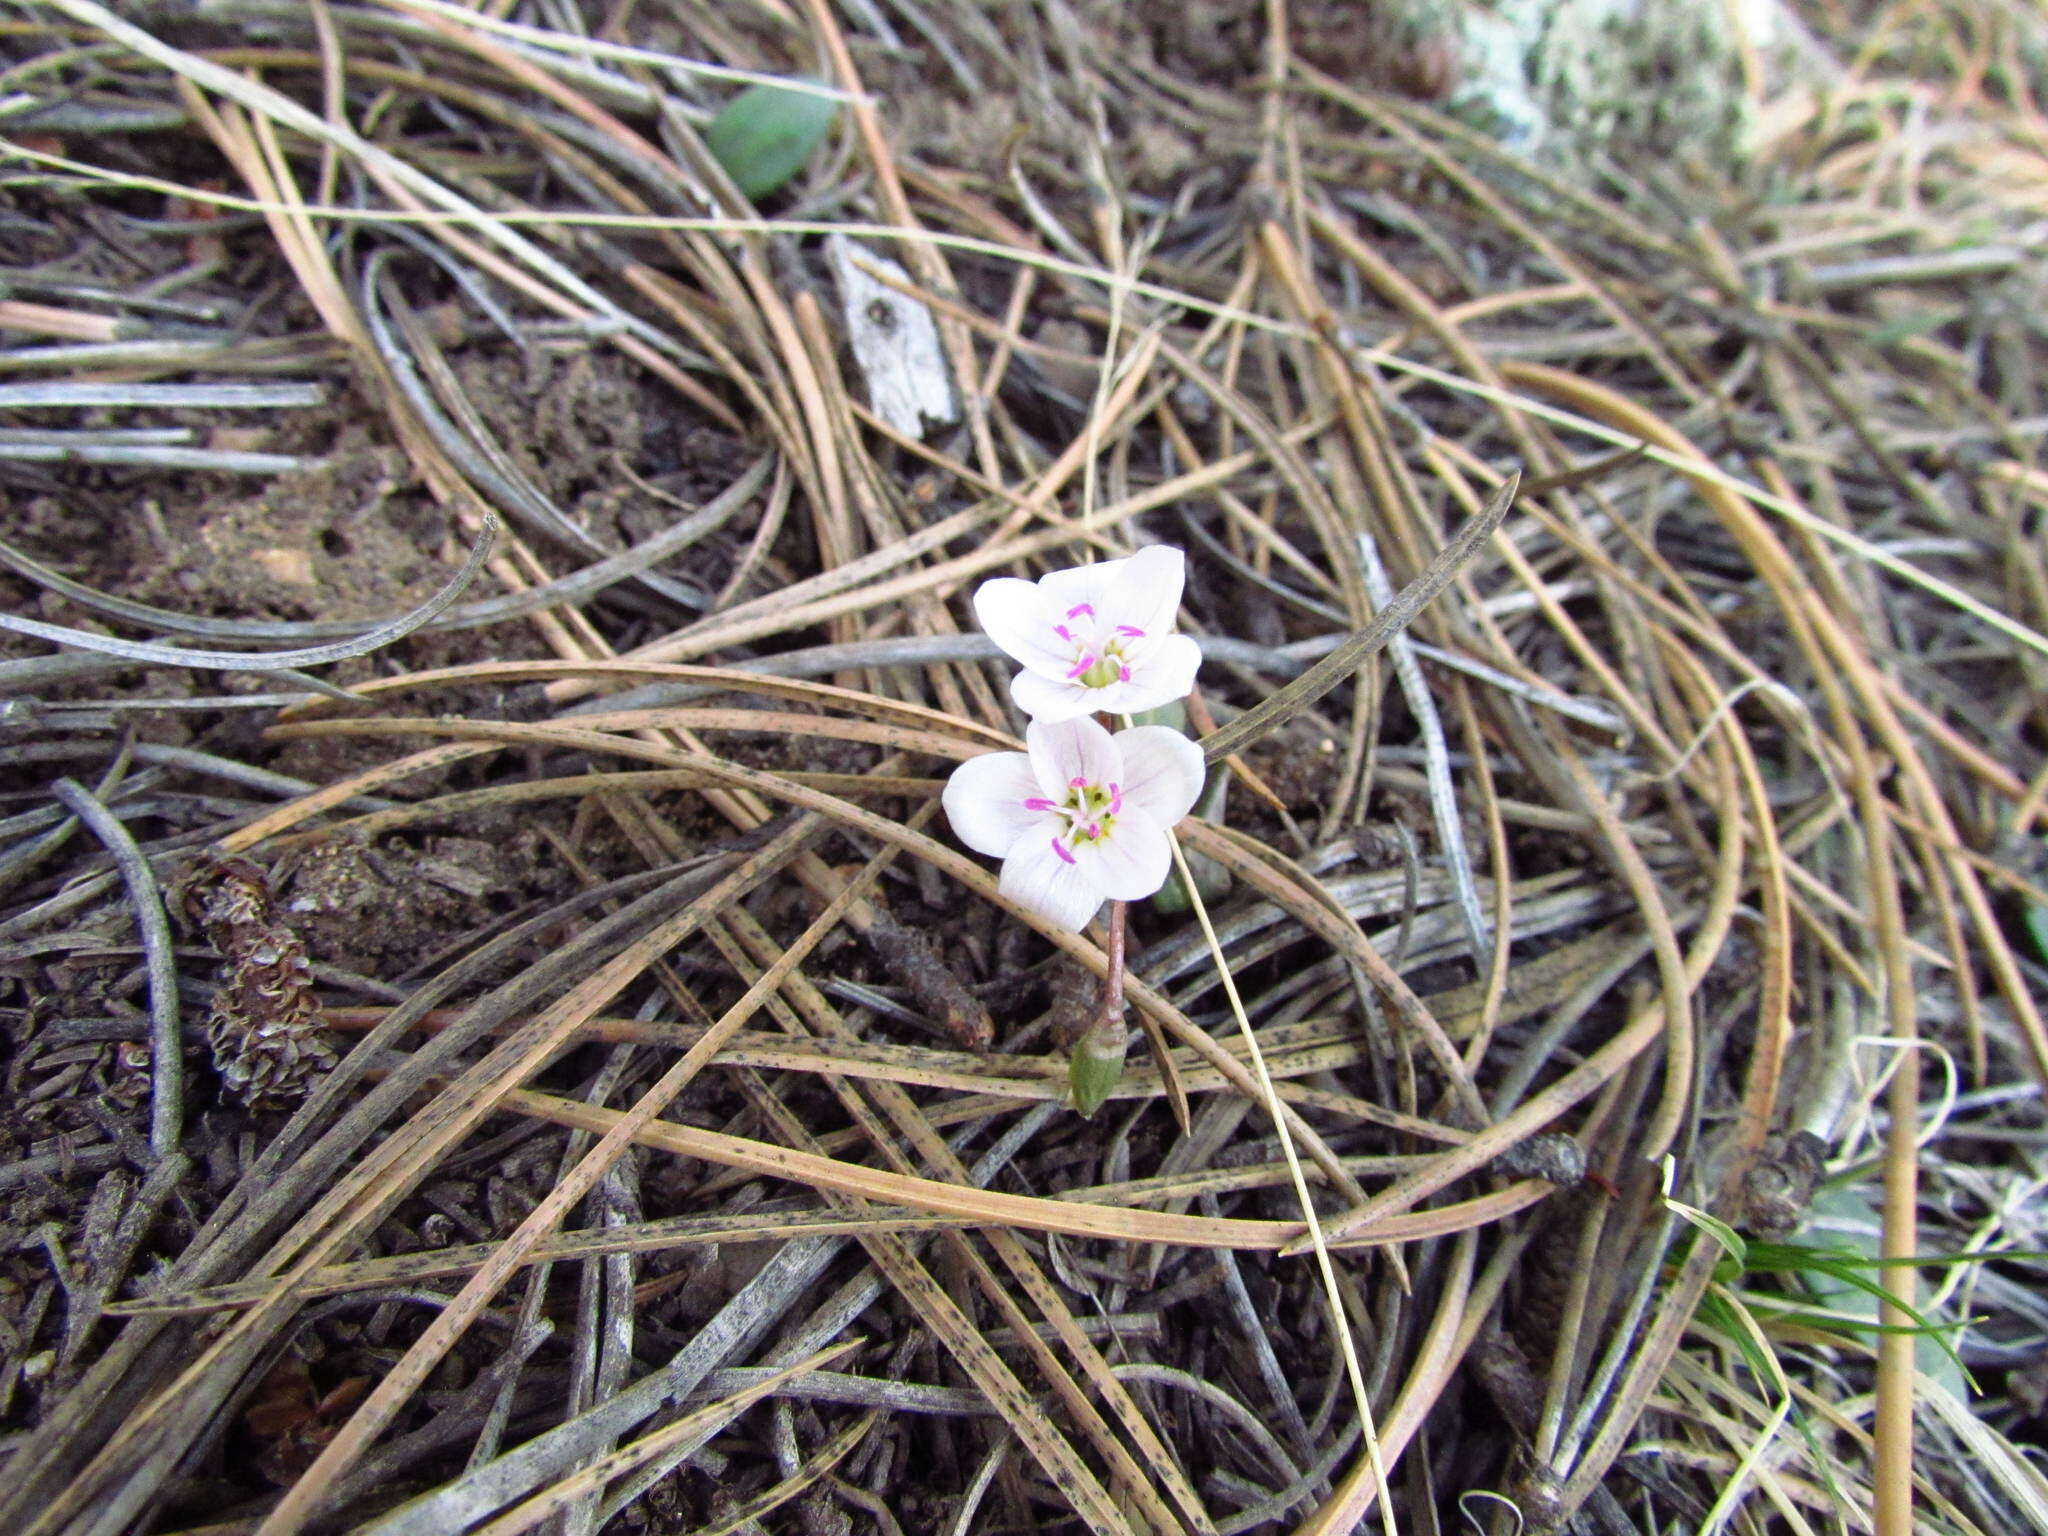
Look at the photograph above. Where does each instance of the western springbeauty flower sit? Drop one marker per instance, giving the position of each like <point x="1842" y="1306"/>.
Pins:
<point x="1095" y="638"/>
<point x="1080" y="819"/>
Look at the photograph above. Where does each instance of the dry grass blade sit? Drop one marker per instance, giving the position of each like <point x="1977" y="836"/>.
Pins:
<point x="392" y="1392"/>
<point x="996" y="1209"/>
<point x="820" y="1465"/>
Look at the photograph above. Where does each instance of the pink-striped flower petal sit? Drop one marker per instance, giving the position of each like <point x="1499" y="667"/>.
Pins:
<point x="1084" y="817"/>
<point x="1094" y="639"/>
<point x="1162" y="772"/>
<point x="1132" y="862"/>
<point x="1070" y="754"/>
<point x="1057" y="889"/>
<point x="994" y="803"/>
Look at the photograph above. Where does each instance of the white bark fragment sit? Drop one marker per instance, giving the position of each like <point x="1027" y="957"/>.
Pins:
<point x="893" y="340"/>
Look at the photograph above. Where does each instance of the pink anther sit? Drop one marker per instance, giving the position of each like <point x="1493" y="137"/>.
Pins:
<point x="1081" y="608"/>
<point x="1116" y="798"/>
<point x="1060" y="848"/>
<point x="1123" y="674"/>
<point x="1132" y="630"/>
<point x="1077" y="783"/>
<point x="1064" y="633"/>
<point x="1040" y="803"/>
<point x="1087" y="660"/>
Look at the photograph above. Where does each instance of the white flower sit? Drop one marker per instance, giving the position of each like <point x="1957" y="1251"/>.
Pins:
<point x="1080" y="819"/>
<point x="1098" y="637"/>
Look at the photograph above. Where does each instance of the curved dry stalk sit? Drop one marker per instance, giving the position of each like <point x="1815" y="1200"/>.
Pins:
<point x="167" y="1047"/>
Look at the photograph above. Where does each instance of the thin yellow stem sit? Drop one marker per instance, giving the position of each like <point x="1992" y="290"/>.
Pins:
<point x="1308" y="1211"/>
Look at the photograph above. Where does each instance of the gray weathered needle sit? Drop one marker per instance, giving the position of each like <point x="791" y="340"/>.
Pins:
<point x="1343" y="662"/>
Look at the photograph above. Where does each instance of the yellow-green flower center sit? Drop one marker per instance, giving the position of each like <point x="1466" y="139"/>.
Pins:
<point x="1099" y="658"/>
<point x="1093" y="808"/>
<point x="1089" y="811"/>
<point x="1105" y="671"/>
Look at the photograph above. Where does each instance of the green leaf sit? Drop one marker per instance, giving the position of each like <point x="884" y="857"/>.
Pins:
<point x="766" y="133"/>
<point x="2037" y="928"/>
<point x="1173" y="714"/>
<point x="1844" y="1285"/>
<point x="1730" y="1241"/>
<point x="1719" y="1310"/>
<point x="1211" y="879"/>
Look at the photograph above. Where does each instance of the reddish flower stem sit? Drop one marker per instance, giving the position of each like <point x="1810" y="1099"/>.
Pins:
<point x="1110" y="1010"/>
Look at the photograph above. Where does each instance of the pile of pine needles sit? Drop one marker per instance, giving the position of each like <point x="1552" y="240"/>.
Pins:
<point x="1639" y="948"/>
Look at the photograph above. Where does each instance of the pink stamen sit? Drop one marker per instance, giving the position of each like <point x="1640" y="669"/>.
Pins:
<point x="1132" y="630"/>
<point x="1077" y="783"/>
<point x="1081" y="608"/>
<point x="1095" y="829"/>
<point x="1064" y="633"/>
<point x="1123" y="674"/>
<point x="1060" y="848"/>
<point x="1040" y="804"/>
<point x="1116" y="798"/>
<point x="1087" y="660"/>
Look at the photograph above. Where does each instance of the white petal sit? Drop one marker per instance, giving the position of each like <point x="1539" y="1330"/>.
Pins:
<point x="1038" y="878"/>
<point x="1050" y="699"/>
<point x="1163" y="772"/>
<point x="1111" y="699"/>
<point x="1148" y="589"/>
<point x="1072" y="749"/>
<point x="1135" y="698"/>
<point x="1017" y="616"/>
<point x="1131" y="863"/>
<point x="1098" y="586"/>
<point x="984" y="800"/>
<point x="1165" y="671"/>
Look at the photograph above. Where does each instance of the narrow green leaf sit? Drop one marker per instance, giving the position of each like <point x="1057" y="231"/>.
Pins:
<point x="1843" y="1284"/>
<point x="2037" y="928"/>
<point x="1731" y="1241"/>
<point x="766" y="133"/>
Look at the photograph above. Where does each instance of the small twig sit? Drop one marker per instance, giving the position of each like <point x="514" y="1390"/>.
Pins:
<point x="111" y="1259"/>
<point x="167" y="1064"/>
<point x="977" y="1490"/>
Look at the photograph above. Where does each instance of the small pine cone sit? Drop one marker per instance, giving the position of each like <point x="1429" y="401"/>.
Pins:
<point x="267" y="1036"/>
<point x="268" y="1062"/>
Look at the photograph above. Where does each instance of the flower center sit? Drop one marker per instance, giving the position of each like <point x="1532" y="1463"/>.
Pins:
<point x="1099" y="658"/>
<point x="1087" y="812"/>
